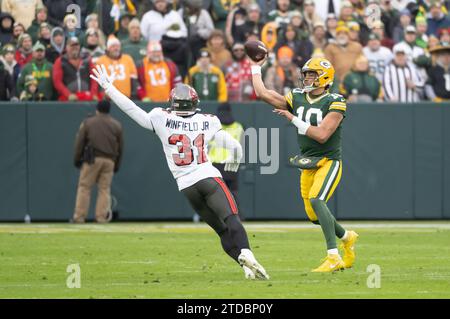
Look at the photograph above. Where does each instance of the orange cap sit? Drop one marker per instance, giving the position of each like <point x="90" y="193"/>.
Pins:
<point x="285" y="51"/>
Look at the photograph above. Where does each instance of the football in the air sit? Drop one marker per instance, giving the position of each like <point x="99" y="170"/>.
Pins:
<point x="256" y="50"/>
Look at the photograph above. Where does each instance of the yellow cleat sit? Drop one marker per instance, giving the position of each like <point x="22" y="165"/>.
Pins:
<point x="349" y="249"/>
<point x="331" y="263"/>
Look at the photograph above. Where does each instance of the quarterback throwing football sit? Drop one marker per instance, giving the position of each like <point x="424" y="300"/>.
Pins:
<point x="184" y="134"/>
<point x="318" y="115"/>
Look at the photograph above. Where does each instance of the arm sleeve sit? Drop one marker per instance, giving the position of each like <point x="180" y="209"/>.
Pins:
<point x="130" y="108"/>
<point x="225" y="140"/>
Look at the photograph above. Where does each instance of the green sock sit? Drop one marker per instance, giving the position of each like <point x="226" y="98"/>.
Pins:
<point x="326" y="220"/>
<point x="339" y="231"/>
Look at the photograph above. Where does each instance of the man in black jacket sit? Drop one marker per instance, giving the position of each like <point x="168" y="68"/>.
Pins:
<point x="98" y="151"/>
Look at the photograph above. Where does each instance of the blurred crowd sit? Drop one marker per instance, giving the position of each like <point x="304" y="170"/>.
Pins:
<point x="382" y="50"/>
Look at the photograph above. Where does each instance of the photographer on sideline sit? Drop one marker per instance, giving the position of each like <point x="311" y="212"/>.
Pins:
<point x="98" y="151"/>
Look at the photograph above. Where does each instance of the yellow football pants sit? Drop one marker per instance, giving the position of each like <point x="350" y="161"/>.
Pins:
<point x="319" y="183"/>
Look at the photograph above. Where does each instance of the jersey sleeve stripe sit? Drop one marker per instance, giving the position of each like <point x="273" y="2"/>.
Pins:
<point x="339" y="103"/>
<point x="288" y="99"/>
<point x="340" y="108"/>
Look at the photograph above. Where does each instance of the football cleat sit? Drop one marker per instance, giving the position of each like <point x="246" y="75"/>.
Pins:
<point x="330" y="263"/>
<point x="349" y="248"/>
<point x="248" y="273"/>
<point x="246" y="258"/>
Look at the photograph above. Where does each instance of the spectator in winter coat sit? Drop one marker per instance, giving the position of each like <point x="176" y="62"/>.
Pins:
<point x="302" y="48"/>
<point x="92" y="48"/>
<point x="6" y="28"/>
<point x="7" y="89"/>
<point x="44" y="35"/>
<point x="199" y="25"/>
<point x="70" y="27"/>
<point x="7" y="58"/>
<point x="359" y="85"/>
<point x="207" y="79"/>
<point x="91" y="22"/>
<point x="135" y="45"/>
<point x="41" y="17"/>
<point x="283" y="76"/>
<point x="41" y="71"/>
<point x="18" y="30"/>
<point x="399" y="30"/>
<point x="436" y="19"/>
<point x="438" y="86"/>
<point x="156" y="22"/>
<point x="216" y="47"/>
<point x="238" y="76"/>
<point x="71" y="75"/>
<point x="24" y="52"/>
<point x="57" y="42"/>
<point x="342" y="53"/>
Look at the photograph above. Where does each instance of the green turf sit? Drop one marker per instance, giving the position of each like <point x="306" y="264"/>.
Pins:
<point x="182" y="261"/>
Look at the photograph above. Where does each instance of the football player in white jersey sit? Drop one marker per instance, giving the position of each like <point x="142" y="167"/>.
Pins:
<point x="184" y="134"/>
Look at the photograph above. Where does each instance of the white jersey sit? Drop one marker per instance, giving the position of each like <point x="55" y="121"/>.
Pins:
<point x="378" y="60"/>
<point x="185" y="141"/>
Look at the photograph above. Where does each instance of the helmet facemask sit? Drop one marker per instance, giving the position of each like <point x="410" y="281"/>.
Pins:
<point x="315" y="84"/>
<point x="183" y="100"/>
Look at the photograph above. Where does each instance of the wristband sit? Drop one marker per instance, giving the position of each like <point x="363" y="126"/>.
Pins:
<point x="302" y="125"/>
<point x="256" y="69"/>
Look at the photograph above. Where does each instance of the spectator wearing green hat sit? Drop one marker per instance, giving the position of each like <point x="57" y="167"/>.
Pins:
<point x="31" y="90"/>
<point x="41" y="70"/>
<point x="7" y="58"/>
<point x="421" y="32"/>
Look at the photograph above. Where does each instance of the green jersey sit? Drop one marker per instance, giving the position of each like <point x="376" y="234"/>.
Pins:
<point x="313" y="111"/>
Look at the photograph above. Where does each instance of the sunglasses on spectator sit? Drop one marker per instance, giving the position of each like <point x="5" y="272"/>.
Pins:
<point x="238" y="49"/>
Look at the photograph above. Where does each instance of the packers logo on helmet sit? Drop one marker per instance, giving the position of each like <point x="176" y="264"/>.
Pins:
<point x="324" y="70"/>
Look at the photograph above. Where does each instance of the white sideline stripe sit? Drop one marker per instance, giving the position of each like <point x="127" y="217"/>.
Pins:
<point x="330" y="181"/>
<point x="308" y="226"/>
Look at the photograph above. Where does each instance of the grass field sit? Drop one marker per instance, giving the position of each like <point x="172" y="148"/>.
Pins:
<point x="184" y="260"/>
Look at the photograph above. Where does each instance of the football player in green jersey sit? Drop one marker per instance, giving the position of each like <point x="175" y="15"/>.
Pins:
<point x="318" y="115"/>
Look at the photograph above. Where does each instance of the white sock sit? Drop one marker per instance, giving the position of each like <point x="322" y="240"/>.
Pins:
<point x="344" y="238"/>
<point x="246" y="251"/>
<point x="333" y="251"/>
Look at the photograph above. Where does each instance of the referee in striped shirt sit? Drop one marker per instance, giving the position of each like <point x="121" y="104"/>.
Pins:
<point x="402" y="81"/>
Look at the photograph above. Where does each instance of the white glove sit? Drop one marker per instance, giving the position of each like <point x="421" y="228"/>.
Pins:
<point x="231" y="167"/>
<point x="100" y="75"/>
<point x="231" y="164"/>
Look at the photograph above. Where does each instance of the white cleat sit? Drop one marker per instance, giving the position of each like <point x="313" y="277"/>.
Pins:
<point x="248" y="273"/>
<point x="246" y="258"/>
